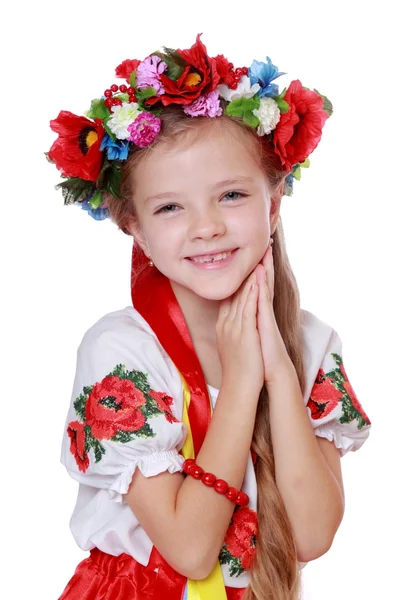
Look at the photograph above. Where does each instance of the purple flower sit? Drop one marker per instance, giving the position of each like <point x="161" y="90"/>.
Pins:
<point x="148" y="74"/>
<point x="144" y="129"/>
<point x="205" y="106"/>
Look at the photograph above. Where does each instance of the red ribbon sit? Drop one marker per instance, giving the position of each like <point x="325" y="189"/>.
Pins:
<point x="154" y="299"/>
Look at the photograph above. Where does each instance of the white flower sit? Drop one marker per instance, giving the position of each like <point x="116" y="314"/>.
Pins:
<point x="243" y="90"/>
<point x="268" y="114"/>
<point x="122" y="117"/>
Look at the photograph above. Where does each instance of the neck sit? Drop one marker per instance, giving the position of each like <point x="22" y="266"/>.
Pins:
<point x="200" y="314"/>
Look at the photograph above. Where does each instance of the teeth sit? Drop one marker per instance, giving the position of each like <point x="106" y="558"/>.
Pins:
<point x="214" y="258"/>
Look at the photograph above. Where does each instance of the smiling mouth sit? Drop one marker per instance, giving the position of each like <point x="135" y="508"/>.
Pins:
<point x="211" y="257"/>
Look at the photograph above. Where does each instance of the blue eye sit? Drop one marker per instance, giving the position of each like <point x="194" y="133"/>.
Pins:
<point x="237" y="194"/>
<point x="164" y="209"/>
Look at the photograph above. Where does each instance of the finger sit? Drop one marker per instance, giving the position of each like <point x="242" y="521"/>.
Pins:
<point x="270" y="272"/>
<point x="249" y="317"/>
<point x="224" y="309"/>
<point x="239" y="298"/>
<point x="244" y="296"/>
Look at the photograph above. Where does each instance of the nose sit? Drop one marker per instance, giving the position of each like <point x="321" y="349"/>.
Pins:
<point x="207" y="224"/>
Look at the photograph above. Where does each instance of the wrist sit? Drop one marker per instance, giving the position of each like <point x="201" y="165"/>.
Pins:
<point x="283" y="372"/>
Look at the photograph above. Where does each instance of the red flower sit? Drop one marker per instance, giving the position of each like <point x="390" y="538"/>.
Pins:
<point x="240" y="536"/>
<point x="112" y="406"/>
<point x="225" y="70"/>
<point x="76" y="151"/>
<point x="199" y="77"/>
<point x="126" y="68"/>
<point x="324" y="397"/>
<point x="76" y="433"/>
<point x="164" y="402"/>
<point x="299" y="130"/>
<point x="354" y="400"/>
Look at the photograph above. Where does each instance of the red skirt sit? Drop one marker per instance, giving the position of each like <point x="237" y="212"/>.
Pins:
<point x="102" y="576"/>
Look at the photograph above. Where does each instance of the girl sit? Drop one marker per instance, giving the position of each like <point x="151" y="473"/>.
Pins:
<point x="207" y="419"/>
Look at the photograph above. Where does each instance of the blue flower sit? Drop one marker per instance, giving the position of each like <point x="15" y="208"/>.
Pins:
<point x="263" y="74"/>
<point x="288" y="189"/>
<point x="117" y="150"/>
<point x="99" y="214"/>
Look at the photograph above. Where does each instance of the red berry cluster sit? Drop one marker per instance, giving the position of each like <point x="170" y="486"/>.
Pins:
<point x="237" y="75"/>
<point x="220" y="485"/>
<point x="111" y="101"/>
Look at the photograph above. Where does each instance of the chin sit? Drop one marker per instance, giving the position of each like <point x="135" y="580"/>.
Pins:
<point x="215" y="292"/>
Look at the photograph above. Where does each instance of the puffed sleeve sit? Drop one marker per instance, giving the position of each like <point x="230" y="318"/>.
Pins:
<point x="333" y="407"/>
<point x="125" y="409"/>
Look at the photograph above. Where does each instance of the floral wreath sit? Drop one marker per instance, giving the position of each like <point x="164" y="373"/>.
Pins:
<point x="90" y="150"/>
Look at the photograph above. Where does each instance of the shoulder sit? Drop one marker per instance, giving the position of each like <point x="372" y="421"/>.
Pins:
<point x="317" y="335"/>
<point x="320" y="343"/>
<point x="124" y="337"/>
<point x="118" y="325"/>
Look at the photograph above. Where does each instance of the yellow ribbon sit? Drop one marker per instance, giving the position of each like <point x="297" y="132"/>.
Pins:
<point x="213" y="586"/>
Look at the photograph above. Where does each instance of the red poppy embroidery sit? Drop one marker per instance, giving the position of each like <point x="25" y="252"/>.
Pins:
<point x="353" y="398"/>
<point x="76" y="433"/>
<point x="324" y="397"/>
<point x="114" y="405"/>
<point x="117" y="409"/>
<point x="164" y="402"/>
<point x="240" y="541"/>
<point x="333" y="388"/>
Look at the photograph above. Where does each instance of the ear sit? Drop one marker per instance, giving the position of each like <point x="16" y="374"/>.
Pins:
<point x="135" y="230"/>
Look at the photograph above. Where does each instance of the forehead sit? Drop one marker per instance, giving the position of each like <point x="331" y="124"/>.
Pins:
<point x="204" y="156"/>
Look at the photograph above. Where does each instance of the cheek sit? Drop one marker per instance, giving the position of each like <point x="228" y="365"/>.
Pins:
<point x="164" y="238"/>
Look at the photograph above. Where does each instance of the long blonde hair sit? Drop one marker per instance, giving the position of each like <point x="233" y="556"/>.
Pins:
<point x="274" y="573"/>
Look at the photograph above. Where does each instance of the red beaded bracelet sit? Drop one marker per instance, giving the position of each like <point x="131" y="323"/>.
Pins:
<point x="220" y="485"/>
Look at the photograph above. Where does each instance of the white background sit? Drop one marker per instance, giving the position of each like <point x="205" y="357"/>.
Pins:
<point x="63" y="270"/>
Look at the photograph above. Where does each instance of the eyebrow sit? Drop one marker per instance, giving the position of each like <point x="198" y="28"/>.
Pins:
<point x="220" y="184"/>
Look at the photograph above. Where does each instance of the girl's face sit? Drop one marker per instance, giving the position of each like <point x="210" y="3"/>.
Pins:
<point x="200" y="198"/>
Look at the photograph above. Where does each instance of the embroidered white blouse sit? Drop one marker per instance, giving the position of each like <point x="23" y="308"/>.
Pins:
<point x="126" y="411"/>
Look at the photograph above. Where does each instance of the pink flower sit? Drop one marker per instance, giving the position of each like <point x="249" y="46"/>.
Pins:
<point x="144" y="129"/>
<point x="206" y="105"/>
<point x="148" y="74"/>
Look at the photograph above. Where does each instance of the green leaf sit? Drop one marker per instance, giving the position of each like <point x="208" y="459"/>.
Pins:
<point x="280" y="100"/>
<point x="119" y="371"/>
<point x="305" y="164"/>
<point x="297" y="173"/>
<point x="237" y="108"/>
<point x="132" y="79"/>
<point x="123" y="437"/>
<point x="175" y="70"/>
<point x="224" y="556"/>
<point x="92" y="442"/>
<point x="250" y="119"/>
<point x="113" y="179"/>
<point x="98" y="110"/>
<point x="282" y="105"/>
<point x="96" y="200"/>
<point x="151" y="409"/>
<point x="146" y="93"/>
<point x="80" y="405"/>
<point x="327" y="106"/>
<point x="145" y="431"/>
<point x="75" y="189"/>
<point x="337" y="358"/>
<point x="100" y="183"/>
<point x="108" y="130"/>
<point x="123" y="97"/>
<point x="175" y="56"/>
